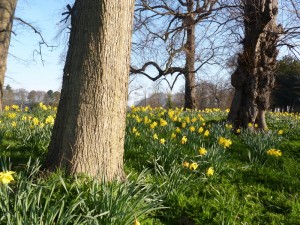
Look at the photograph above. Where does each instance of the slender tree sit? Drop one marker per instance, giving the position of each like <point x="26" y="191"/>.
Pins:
<point x="7" y="11"/>
<point x="88" y="134"/>
<point x="253" y="78"/>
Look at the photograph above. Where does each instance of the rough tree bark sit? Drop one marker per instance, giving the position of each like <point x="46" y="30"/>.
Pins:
<point x="7" y="11"/>
<point x="189" y="74"/>
<point x="254" y="77"/>
<point x="88" y="134"/>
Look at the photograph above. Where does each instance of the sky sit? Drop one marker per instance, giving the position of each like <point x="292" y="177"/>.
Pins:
<point x="25" y="68"/>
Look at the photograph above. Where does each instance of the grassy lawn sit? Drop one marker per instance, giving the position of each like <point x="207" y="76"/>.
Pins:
<point x="184" y="167"/>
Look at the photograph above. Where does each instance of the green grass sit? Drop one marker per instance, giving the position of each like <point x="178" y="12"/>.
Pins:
<point x="247" y="187"/>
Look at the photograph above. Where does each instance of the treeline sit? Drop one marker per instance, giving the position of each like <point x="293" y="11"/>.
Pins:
<point x="218" y="94"/>
<point x="208" y="95"/>
<point x="23" y="97"/>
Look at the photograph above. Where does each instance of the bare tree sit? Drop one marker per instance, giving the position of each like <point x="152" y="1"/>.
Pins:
<point x="88" y="134"/>
<point x="21" y="96"/>
<point x="214" y="93"/>
<point x="170" y="35"/>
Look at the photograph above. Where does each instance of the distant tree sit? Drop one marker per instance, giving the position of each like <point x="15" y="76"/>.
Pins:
<point x="50" y="93"/>
<point x="32" y="96"/>
<point x="214" y="93"/>
<point x="286" y="93"/>
<point x="49" y="97"/>
<point x="8" y="96"/>
<point x="169" y="101"/>
<point x="40" y="96"/>
<point x="56" y="96"/>
<point x="8" y="88"/>
<point x="21" y="96"/>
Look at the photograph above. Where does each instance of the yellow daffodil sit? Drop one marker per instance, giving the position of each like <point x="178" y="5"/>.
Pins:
<point x="163" y="123"/>
<point x="136" y="222"/>
<point x="183" y="140"/>
<point x="35" y="121"/>
<point x="6" y="108"/>
<point x="206" y="133"/>
<point x="153" y="125"/>
<point x="200" y="130"/>
<point x="177" y="130"/>
<point x="49" y="120"/>
<point x="155" y="136"/>
<point x="194" y="120"/>
<point x="192" y="128"/>
<point x="210" y="171"/>
<point x="11" y="115"/>
<point x="6" y="177"/>
<point x="171" y="113"/>
<point x="274" y="152"/>
<point x="15" y="107"/>
<point x="225" y="142"/>
<point x="193" y="166"/>
<point x="42" y="106"/>
<point x="183" y="125"/>
<point x="173" y="136"/>
<point x="185" y="164"/>
<point x="13" y="124"/>
<point x="228" y="126"/>
<point x="280" y="132"/>
<point x="187" y="119"/>
<point x="238" y="131"/>
<point x="134" y="130"/>
<point x="202" y="151"/>
<point x="146" y="120"/>
<point x="162" y="141"/>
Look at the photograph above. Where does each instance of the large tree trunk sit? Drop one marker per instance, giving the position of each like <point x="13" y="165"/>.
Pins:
<point x="190" y="83"/>
<point x="254" y="77"/>
<point x="7" y="11"/>
<point x="88" y="134"/>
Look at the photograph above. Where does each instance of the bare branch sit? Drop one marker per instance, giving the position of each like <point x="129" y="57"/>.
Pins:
<point x="42" y="42"/>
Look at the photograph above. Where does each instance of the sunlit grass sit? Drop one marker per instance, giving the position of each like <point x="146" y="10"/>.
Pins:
<point x="183" y="166"/>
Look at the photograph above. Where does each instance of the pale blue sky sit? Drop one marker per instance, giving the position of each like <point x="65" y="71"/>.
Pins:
<point x="29" y="72"/>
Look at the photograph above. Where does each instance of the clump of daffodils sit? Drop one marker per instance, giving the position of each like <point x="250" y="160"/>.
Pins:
<point x="191" y="166"/>
<point x="274" y="152"/>
<point x="225" y="142"/>
<point x="6" y="177"/>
